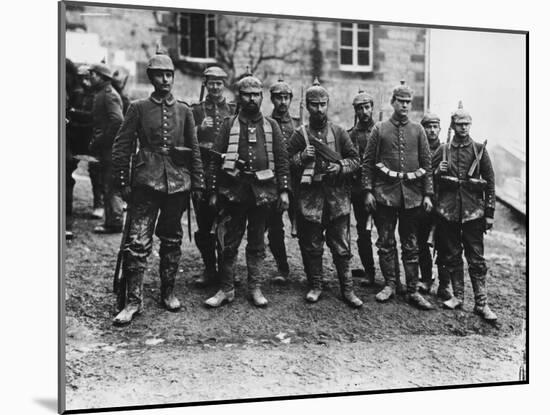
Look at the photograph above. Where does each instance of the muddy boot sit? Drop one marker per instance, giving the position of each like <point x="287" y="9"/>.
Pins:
<point x="220" y="298"/>
<point x="134" y="299"/>
<point x="413" y="296"/>
<point x="168" y="270"/>
<point x="282" y="276"/>
<point x="385" y="294"/>
<point x="480" y="295"/>
<point x="98" y="213"/>
<point x="257" y="297"/>
<point x="364" y="246"/>
<point x="426" y="280"/>
<point x="444" y="276"/>
<point x="207" y="249"/>
<point x="400" y="289"/>
<point x="346" y="282"/>
<point x="457" y="281"/>
<point x="316" y="288"/>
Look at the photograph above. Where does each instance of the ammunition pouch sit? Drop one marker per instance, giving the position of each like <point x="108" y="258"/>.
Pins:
<point x="475" y="185"/>
<point x="264" y="175"/>
<point x="449" y="182"/>
<point x="206" y="149"/>
<point x="181" y="156"/>
<point x="453" y="183"/>
<point x="409" y="176"/>
<point x="229" y="165"/>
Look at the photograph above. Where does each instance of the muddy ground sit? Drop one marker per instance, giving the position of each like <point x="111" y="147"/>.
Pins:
<point x="289" y="348"/>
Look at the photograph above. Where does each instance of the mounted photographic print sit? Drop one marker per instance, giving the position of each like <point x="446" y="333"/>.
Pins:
<point x="259" y="207"/>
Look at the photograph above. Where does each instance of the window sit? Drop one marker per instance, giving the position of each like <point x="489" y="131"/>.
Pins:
<point x="356" y="47"/>
<point x="197" y="37"/>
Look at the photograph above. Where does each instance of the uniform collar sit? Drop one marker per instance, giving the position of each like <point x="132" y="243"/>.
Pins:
<point x="461" y="143"/>
<point x="320" y="127"/>
<point x="102" y="85"/>
<point x="362" y="126"/>
<point x="168" y="100"/>
<point x="398" y="121"/>
<point x="281" y="118"/>
<point x="210" y="103"/>
<point x="434" y="144"/>
<point x="250" y="120"/>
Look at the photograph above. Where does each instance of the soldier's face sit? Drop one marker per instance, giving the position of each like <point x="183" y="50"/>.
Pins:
<point x="401" y="106"/>
<point x="432" y="130"/>
<point x="317" y="110"/>
<point x="94" y="78"/>
<point x="281" y="102"/>
<point x="162" y="80"/>
<point x="215" y="87"/>
<point x="462" y="129"/>
<point x="364" y="111"/>
<point x="250" y="101"/>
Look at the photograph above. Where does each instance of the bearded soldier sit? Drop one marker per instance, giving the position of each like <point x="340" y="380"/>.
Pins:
<point x="281" y="97"/>
<point x="363" y="105"/>
<point x="324" y="157"/>
<point x="397" y="178"/>
<point x="209" y="115"/>
<point x="254" y="174"/>
<point x="465" y="210"/>
<point x="107" y="118"/>
<point x="166" y="168"/>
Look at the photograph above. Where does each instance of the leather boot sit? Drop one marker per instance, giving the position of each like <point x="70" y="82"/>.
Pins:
<point x="346" y="282"/>
<point x="480" y="295"/>
<point x="220" y="298"/>
<point x="207" y="250"/>
<point x="457" y="281"/>
<point x="134" y="298"/>
<point x="400" y="289"/>
<point x="168" y="271"/>
<point x="257" y="297"/>
<point x="385" y="294"/>
<point x="444" y="276"/>
<point x="414" y="297"/>
<point x="426" y="280"/>
<point x="364" y="246"/>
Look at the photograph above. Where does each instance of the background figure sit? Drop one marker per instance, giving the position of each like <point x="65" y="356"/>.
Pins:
<point x="166" y="168"/>
<point x="254" y="175"/>
<point x="323" y="196"/>
<point x="465" y="210"/>
<point x="209" y="115"/>
<point x="397" y="178"/>
<point x="107" y="118"/>
<point x="363" y="105"/>
<point x="70" y="162"/>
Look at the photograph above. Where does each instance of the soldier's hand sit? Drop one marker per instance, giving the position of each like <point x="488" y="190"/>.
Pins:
<point x="126" y="193"/>
<point x="213" y="200"/>
<point x="284" y="202"/>
<point x="489" y="223"/>
<point x="444" y="166"/>
<point x="207" y="122"/>
<point x="427" y="204"/>
<point x="308" y="153"/>
<point x="334" y="168"/>
<point x="370" y="202"/>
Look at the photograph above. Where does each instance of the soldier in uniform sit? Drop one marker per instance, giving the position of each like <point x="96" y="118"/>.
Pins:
<point x="166" y="168"/>
<point x="432" y="128"/>
<point x="281" y="97"/>
<point x="465" y="210"/>
<point x="397" y="178"/>
<point x="363" y="105"/>
<point x="107" y="118"/>
<point x="324" y="157"/>
<point x="209" y="115"/>
<point x="254" y="175"/>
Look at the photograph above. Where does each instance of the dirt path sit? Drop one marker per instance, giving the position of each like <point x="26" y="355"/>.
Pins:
<point x="287" y="349"/>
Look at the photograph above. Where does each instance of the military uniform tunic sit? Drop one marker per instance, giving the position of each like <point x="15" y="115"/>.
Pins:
<point x="324" y="205"/>
<point x="161" y="182"/>
<point x="107" y="118"/>
<point x="402" y="146"/>
<point x="360" y="136"/>
<point x="244" y="198"/>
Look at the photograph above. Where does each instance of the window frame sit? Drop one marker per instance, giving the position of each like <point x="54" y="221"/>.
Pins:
<point x="181" y="36"/>
<point x="355" y="67"/>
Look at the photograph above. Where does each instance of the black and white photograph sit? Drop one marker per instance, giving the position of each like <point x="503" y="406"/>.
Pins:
<point x="257" y="206"/>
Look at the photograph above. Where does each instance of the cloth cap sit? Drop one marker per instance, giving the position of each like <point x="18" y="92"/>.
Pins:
<point x="214" y="72"/>
<point x="402" y="91"/>
<point x="316" y="93"/>
<point x="102" y="69"/>
<point x="429" y="118"/>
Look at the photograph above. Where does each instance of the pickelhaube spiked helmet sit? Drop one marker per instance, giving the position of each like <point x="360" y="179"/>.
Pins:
<point x="429" y="118"/>
<point x="316" y="93"/>
<point x="362" y="98"/>
<point x="402" y="91"/>
<point x="102" y="68"/>
<point x="214" y="72"/>
<point x="249" y="83"/>
<point x="460" y="116"/>
<point x="160" y="61"/>
<point x="280" y="87"/>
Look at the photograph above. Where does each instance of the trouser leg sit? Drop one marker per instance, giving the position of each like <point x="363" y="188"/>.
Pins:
<point x="70" y="166"/>
<point x="385" y="219"/>
<point x="449" y="259"/>
<point x="338" y="241"/>
<point x="111" y="197"/>
<point x="206" y="241"/>
<point x="255" y="249"/>
<point x="364" y="242"/>
<point x="472" y="239"/>
<point x="311" y="242"/>
<point x="424" y="249"/>
<point x="276" y="238"/>
<point x="96" y="179"/>
<point x="408" y="230"/>
<point x="234" y="223"/>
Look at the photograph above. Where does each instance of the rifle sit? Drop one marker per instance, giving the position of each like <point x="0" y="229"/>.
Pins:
<point x="120" y="282"/>
<point x="293" y="211"/>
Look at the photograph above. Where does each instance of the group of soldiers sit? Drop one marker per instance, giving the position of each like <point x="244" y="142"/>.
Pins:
<point x="242" y="169"/>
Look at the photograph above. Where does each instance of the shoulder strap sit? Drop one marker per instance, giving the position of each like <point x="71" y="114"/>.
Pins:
<point x="268" y="131"/>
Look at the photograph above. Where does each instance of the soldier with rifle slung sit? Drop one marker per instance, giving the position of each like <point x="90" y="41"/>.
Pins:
<point x="363" y="105"/>
<point x="209" y="115"/>
<point x="325" y="157"/>
<point x="397" y="178"/>
<point x="253" y="175"/>
<point x="465" y="210"/>
<point x="281" y="97"/>
<point x="166" y="169"/>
